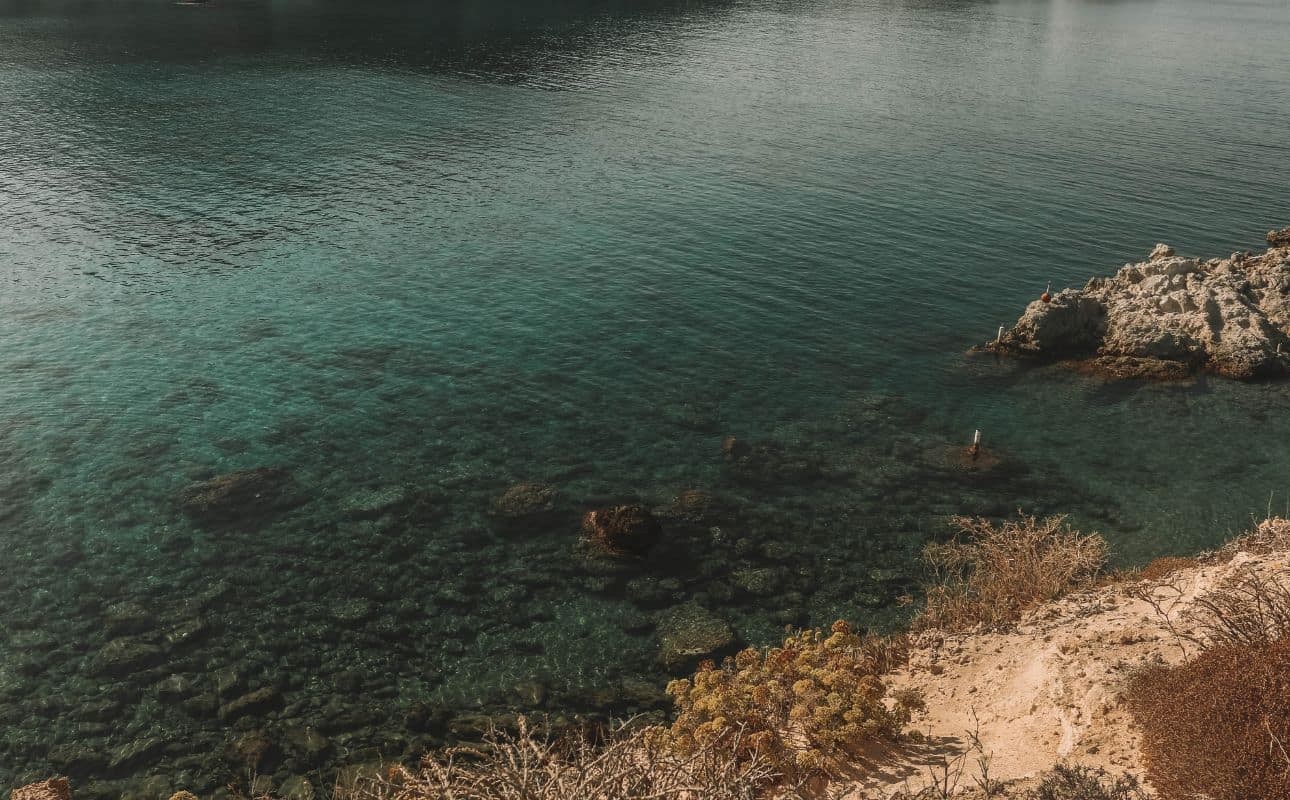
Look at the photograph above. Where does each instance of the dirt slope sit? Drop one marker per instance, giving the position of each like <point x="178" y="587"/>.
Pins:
<point x="1049" y="691"/>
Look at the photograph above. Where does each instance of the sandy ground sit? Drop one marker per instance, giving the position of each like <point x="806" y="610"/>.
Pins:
<point x="1049" y="691"/>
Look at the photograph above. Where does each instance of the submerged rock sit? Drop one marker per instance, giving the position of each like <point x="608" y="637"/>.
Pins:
<point x="135" y="752"/>
<point x="690" y="633"/>
<point x="1168" y="317"/>
<point x="757" y="582"/>
<point x="256" y="703"/>
<point x="126" y="655"/>
<point x="767" y="463"/>
<point x="126" y="618"/>
<point x="305" y="744"/>
<point x="240" y="495"/>
<point x="296" y="788"/>
<point x="621" y="530"/>
<point x="525" y="500"/>
<point x="691" y="505"/>
<point x="371" y="502"/>
<point x="251" y="750"/>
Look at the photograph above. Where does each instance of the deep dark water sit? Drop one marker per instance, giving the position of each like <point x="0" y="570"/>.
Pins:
<point x="414" y="254"/>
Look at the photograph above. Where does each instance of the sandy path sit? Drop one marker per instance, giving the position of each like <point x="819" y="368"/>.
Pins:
<point x="1049" y="691"/>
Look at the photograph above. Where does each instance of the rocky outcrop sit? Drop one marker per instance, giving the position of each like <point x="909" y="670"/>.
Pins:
<point x="1168" y="317"/>
<point x="621" y="530"/>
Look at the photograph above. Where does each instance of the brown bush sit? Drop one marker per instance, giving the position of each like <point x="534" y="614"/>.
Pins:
<point x="989" y="574"/>
<point x="1217" y="726"/>
<point x="799" y="706"/>
<point x="1162" y="568"/>
<point x="627" y="765"/>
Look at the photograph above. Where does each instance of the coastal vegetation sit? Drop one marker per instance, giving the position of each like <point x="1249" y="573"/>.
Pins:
<point x="989" y="573"/>
<point x="778" y="721"/>
<point x="823" y="707"/>
<point x="797" y="707"/>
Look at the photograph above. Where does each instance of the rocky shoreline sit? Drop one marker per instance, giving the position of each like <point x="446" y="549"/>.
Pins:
<point x="1167" y="318"/>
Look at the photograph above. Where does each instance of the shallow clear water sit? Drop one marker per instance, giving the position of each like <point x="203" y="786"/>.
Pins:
<point x="433" y="250"/>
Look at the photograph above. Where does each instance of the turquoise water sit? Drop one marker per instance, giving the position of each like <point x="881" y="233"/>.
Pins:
<point x="429" y="251"/>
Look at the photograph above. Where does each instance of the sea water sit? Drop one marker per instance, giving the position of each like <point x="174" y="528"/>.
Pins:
<point x="414" y="254"/>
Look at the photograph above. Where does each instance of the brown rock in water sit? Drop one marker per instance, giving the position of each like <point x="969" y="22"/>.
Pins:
<point x="241" y="494"/>
<point x="621" y="530"/>
<point x="52" y="789"/>
<point x="1128" y="367"/>
<point x="183" y="795"/>
<point x="1168" y="317"/>
<point x="982" y="459"/>
<point x="525" y="500"/>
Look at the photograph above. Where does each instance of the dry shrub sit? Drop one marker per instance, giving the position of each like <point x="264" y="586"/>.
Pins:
<point x="799" y="706"/>
<point x="1215" y="726"/>
<point x="1163" y="567"/>
<point x="1271" y="536"/>
<point x="1245" y="609"/>
<point x="628" y="765"/>
<point x="1064" y="782"/>
<point x="989" y="574"/>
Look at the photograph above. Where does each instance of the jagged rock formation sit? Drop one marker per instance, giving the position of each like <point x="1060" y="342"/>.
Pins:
<point x="1169" y="317"/>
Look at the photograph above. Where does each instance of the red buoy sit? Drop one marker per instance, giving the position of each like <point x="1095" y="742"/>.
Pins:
<point x="1047" y="296"/>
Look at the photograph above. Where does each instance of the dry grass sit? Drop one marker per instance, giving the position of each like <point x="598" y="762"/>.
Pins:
<point x="627" y="765"/>
<point x="801" y="706"/>
<point x="1271" y="536"/>
<point x="1216" y="726"/>
<point x="989" y="574"/>
<point x="1245" y="609"/>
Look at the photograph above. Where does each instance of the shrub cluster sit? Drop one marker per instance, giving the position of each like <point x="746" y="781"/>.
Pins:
<point x="1272" y="535"/>
<point x="799" y="705"/>
<point x="1245" y="609"/>
<point x="1219" y="725"/>
<point x="989" y="574"/>
<point x="621" y="765"/>
<point x="1085" y="783"/>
